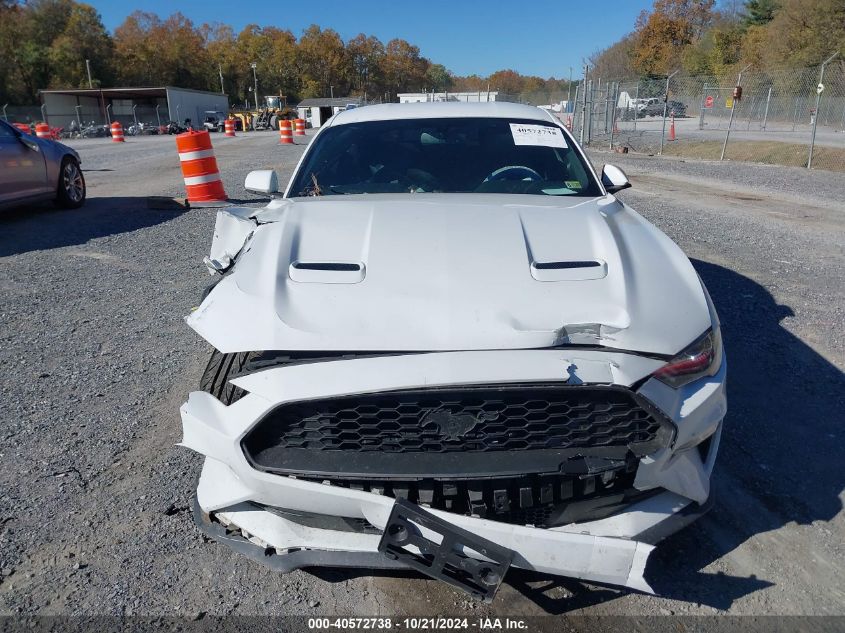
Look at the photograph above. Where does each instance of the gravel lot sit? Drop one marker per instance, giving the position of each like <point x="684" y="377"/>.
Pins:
<point x="94" y="493"/>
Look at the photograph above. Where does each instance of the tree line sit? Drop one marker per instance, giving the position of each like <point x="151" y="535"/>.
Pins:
<point x="44" y="44"/>
<point x="701" y="38"/>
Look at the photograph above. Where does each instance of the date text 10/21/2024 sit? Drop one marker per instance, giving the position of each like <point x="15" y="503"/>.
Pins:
<point x="417" y="624"/>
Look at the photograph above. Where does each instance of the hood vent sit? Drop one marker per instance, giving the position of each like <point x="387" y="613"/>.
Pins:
<point x="327" y="272"/>
<point x="577" y="270"/>
<point x="565" y="265"/>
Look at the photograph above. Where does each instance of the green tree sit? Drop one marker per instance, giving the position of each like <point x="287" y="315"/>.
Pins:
<point x="438" y="78"/>
<point x="84" y="37"/>
<point x="759" y="12"/>
<point x="323" y="63"/>
<point x="404" y="68"/>
<point x="366" y="56"/>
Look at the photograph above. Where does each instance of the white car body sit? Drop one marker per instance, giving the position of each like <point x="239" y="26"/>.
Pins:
<point x="445" y="291"/>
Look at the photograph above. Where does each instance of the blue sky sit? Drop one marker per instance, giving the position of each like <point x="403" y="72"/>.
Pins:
<point x="540" y="38"/>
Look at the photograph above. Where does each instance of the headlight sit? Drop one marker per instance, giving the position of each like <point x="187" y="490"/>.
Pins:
<point x="702" y="358"/>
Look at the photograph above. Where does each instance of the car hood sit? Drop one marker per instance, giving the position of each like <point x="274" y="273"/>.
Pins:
<point x="453" y="272"/>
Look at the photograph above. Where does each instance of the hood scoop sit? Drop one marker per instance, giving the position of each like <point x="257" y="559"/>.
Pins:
<point x="578" y="270"/>
<point x="327" y="272"/>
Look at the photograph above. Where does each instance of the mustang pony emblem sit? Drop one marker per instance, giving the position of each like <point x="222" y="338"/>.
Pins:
<point x="456" y="425"/>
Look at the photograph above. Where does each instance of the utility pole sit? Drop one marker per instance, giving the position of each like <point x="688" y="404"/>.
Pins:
<point x="220" y="70"/>
<point x="733" y="109"/>
<point x="254" y="65"/>
<point x="819" y="91"/>
<point x="88" y="68"/>
<point x="584" y="109"/>
<point x="665" y="106"/>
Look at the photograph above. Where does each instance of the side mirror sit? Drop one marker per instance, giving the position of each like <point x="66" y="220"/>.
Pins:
<point x="31" y="144"/>
<point x="262" y="181"/>
<point x="614" y="179"/>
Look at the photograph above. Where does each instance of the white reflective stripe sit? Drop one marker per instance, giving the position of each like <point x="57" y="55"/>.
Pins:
<point x="201" y="180"/>
<point x="203" y="153"/>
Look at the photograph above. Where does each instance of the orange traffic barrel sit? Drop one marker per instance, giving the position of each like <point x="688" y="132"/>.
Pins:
<point x="42" y="130"/>
<point x="199" y="167"/>
<point x="285" y="133"/>
<point x="116" y="132"/>
<point x="300" y="127"/>
<point x="229" y="125"/>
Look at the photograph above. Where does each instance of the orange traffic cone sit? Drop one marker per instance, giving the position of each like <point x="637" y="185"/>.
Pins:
<point x="672" y="129"/>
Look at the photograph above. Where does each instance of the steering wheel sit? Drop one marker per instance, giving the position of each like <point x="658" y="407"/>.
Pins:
<point x="514" y="172"/>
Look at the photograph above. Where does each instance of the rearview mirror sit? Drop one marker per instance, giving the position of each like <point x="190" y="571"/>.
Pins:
<point x="262" y="181"/>
<point x="614" y="179"/>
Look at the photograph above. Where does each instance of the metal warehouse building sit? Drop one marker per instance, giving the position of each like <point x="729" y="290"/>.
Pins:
<point x="127" y="105"/>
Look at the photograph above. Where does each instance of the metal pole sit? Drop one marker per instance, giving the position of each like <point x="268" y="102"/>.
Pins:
<point x="818" y="100"/>
<point x="569" y="89"/>
<point x="44" y="112"/>
<point x="5" y="118"/>
<point x="134" y="116"/>
<point x="108" y="115"/>
<point x="157" y="115"/>
<point x="584" y="108"/>
<point x="766" y="113"/>
<point x="795" y="114"/>
<point x="254" y="65"/>
<point x="636" y="103"/>
<point x="606" y="104"/>
<point x="78" y="117"/>
<point x="733" y="109"/>
<point x="701" y="106"/>
<point x="665" y="106"/>
<point x="613" y="113"/>
<point x="88" y="68"/>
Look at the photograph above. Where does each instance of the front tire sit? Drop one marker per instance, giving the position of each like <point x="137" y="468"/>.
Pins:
<point x="220" y="369"/>
<point x="71" y="191"/>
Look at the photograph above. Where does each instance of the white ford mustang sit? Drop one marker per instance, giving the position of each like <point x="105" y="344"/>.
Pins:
<point x="448" y="346"/>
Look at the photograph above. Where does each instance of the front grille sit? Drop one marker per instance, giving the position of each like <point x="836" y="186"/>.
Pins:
<point x="470" y="430"/>
<point x="539" y="500"/>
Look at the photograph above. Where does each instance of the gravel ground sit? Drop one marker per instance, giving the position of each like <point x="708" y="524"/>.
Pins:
<point x="94" y="493"/>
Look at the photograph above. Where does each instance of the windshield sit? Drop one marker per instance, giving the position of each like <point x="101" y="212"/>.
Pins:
<point x="454" y="155"/>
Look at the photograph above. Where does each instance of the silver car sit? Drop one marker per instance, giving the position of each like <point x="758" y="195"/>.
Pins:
<point x="34" y="169"/>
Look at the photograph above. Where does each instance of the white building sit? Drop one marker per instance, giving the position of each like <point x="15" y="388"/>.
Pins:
<point x="319" y="110"/>
<point x="472" y="97"/>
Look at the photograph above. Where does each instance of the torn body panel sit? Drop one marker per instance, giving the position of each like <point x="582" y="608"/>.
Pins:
<point x="600" y="550"/>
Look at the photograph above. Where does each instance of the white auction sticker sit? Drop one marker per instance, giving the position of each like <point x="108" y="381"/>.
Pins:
<point x="542" y="135"/>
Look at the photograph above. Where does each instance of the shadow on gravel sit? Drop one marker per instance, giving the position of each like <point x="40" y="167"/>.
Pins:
<point x="42" y="227"/>
<point x="780" y="459"/>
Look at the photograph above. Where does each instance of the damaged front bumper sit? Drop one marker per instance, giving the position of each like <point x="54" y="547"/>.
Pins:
<point x="290" y="521"/>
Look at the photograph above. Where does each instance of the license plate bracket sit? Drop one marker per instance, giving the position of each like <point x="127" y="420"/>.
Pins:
<point x="444" y="560"/>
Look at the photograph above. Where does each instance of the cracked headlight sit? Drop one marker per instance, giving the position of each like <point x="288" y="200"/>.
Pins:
<point x="702" y="358"/>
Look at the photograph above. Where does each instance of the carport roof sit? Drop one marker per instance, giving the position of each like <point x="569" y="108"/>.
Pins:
<point x="122" y="93"/>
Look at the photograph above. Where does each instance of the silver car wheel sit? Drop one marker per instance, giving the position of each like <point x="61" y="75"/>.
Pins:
<point x="74" y="187"/>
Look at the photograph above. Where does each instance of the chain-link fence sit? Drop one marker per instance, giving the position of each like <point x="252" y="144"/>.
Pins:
<point x="788" y="117"/>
